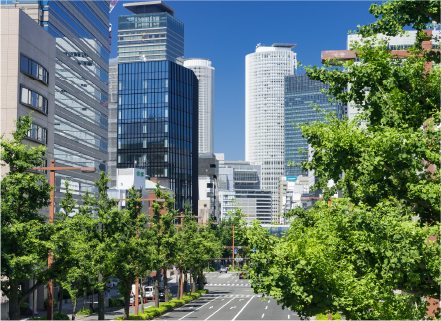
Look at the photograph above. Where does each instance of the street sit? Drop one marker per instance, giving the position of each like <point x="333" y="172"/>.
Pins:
<point x="230" y="299"/>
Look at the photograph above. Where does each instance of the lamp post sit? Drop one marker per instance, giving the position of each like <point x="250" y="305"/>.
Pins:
<point x="233" y="242"/>
<point x="50" y="260"/>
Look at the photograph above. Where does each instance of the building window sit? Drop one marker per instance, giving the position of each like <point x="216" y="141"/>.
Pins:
<point x="38" y="133"/>
<point x="209" y="185"/>
<point x="34" y="69"/>
<point x="34" y="100"/>
<point x="212" y="165"/>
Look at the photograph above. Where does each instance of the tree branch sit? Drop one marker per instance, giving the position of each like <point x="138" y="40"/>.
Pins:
<point x="28" y="292"/>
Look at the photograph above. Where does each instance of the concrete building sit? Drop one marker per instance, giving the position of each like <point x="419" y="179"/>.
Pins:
<point x="265" y="72"/>
<point x="240" y="186"/>
<point x="151" y="34"/>
<point x="291" y="190"/>
<point x="28" y="85"/>
<point x="208" y="187"/>
<point x="205" y="74"/>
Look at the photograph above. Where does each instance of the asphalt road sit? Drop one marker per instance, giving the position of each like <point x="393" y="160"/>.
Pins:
<point x="230" y="299"/>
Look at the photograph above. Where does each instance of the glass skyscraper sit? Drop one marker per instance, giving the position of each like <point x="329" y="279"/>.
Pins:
<point x="81" y="30"/>
<point x="152" y="34"/>
<point x="158" y="124"/>
<point x="300" y="93"/>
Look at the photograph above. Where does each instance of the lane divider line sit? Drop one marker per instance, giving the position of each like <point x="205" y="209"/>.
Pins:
<point x="242" y="309"/>
<point x="219" y="309"/>
<point x="197" y="309"/>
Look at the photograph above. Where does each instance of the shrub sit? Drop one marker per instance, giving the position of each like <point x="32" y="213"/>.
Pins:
<point x="116" y="302"/>
<point x="153" y="311"/>
<point x="45" y="303"/>
<point x="24" y="307"/>
<point x="61" y="316"/>
<point x="85" y="311"/>
<point x="205" y="291"/>
<point x="321" y="316"/>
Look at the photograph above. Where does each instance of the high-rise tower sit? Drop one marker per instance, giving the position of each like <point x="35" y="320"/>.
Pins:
<point x="205" y="74"/>
<point x="151" y="34"/>
<point x="265" y="72"/>
<point x="157" y="102"/>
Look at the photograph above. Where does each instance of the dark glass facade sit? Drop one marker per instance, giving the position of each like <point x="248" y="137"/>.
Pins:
<point x="300" y="93"/>
<point x="158" y="123"/>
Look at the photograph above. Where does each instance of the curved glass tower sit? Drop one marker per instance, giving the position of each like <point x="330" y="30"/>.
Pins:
<point x="265" y="72"/>
<point x="205" y="74"/>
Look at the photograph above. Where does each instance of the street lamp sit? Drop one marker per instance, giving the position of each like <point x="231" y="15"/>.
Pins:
<point x="50" y="260"/>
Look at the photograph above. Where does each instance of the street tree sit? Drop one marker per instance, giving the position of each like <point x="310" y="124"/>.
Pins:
<point x="25" y="236"/>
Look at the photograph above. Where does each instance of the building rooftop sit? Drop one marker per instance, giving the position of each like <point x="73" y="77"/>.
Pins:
<point x="284" y="45"/>
<point x="149" y="7"/>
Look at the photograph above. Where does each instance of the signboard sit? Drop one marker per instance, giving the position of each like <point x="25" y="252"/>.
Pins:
<point x="239" y="247"/>
<point x="291" y="179"/>
<point x="238" y="259"/>
<point x="140" y="173"/>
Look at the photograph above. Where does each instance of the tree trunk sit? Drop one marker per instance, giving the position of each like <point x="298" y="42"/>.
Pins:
<point x="195" y="277"/>
<point x="185" y="282"/>
<point x="60" y="300"/>
<point x="142" y="294"/>
<point x="92" y="301"/>
<point x="178" y="277"/>
<point x="201" y="279"/>
<point x="166" y="298"/>
<point x="100" y="297"/>
<point x="14" y="308"/>
<point x="127" y="299"/>
<point x="157" y="277"/>
<point x="74" y="312"/>
<point x="84" y="298"/>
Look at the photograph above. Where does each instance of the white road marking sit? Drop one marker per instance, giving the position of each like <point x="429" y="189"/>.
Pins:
<point x="242" y="309"/>
<point x="266" y="307"/>
<point x="262" y="315"/>
<point x="197" y="309"/>
<point x="233" y="307"/>
<point x="268" y="301"/>
<point x="219" y="309"/>
<point x="288" y="316"/>
<point x="241" y="300"/>
<point x="210" y="307"/>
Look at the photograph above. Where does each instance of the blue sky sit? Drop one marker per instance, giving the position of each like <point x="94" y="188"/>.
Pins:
<point x="226" y="31"/>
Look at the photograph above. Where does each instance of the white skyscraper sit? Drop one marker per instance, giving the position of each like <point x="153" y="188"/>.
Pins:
<point x="265" y="72"/>
<point x="205" y="74"/>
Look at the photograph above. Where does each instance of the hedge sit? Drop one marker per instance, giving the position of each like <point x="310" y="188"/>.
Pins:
<point x="57" y="316"/>
<point x="321" y="316"/>
<point x="152" y="312"/>
<point x="116" y="302"/>
<point x="87" y="311"/>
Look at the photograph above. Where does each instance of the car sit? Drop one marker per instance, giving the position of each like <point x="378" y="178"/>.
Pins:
<point x="161" y="294"/>
<point x="241" y="275"/>
<point x="223" y="269"/>
<point x="149" y="290"/>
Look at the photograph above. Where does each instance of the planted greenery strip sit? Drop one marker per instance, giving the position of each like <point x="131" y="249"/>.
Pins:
<point x="152" y="312"/>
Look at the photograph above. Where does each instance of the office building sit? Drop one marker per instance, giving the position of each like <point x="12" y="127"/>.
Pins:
<point x="81" y="31"/>
<point x="208" y="187"/>
<point x="205" y="74"/>
<point x="151" y="34"/>
<point x="265" y="72"/>
<point x="113" y="122"/>
<point x="239" y="185"/>
<point x="158" y="103"/>
<point x="28" y="85"/>
<point x="301" y="95"/>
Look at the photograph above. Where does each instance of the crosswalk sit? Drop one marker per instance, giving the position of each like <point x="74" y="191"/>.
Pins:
<point x="229" y="284"/>
<point x="213" y="296"/>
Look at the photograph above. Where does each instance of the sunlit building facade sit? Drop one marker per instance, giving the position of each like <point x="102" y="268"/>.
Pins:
<point x="205" y="74"/>
<point x="265" y="72"/>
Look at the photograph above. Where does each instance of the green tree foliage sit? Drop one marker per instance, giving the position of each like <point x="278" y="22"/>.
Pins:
<point x="350" y="259"/>
<point x="25" y="235"/>
<point x="368" y="255"/>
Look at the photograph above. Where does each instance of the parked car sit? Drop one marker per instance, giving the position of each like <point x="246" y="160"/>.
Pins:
<point x="161" y="294"/>
<point x="241" y="275"/>
<point x="223" y="269"/>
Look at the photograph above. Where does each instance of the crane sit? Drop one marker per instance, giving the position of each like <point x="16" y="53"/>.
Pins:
<point x="112" y="5"/>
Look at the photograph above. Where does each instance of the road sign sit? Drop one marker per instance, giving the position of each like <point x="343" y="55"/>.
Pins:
<point x="239" y="247"/>
<point x="235" y="250"/>
<point x="254" y="250"/>
<point x="239" y="259"/>
<point x="291" y="179"/>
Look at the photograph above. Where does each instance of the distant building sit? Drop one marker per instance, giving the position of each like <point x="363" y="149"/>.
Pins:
<point x="240" y="186"/>
<point x="205" y="73"/>
<point x="113" y="123"/>
<point x="151" y="34"/>
<point x="208" y="187"/>
<point x="265" y="72"/>
<point x="300" y="93"/>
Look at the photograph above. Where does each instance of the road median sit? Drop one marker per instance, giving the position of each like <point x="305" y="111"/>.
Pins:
<point x="152" y="312"/>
